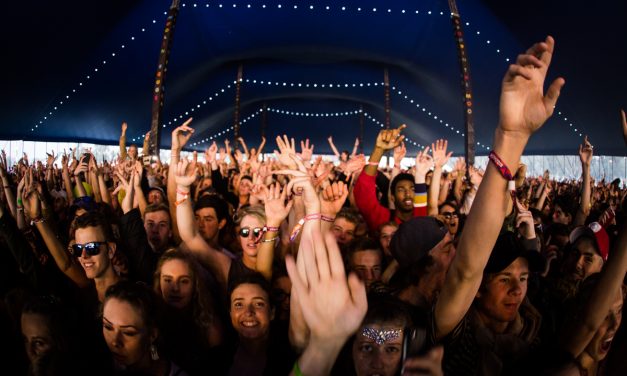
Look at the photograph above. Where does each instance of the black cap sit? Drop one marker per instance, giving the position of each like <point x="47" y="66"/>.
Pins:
<point x="507" y="249"/>
<point x="415" y="238"/>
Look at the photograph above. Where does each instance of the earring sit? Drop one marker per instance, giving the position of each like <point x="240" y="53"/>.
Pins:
<point x="154" y="355"/>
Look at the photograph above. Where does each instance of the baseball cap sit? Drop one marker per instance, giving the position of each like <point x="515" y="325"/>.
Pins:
<point x="595" y="232"/>
<point x="508" y="248"/>
<point x="415" y="238"/>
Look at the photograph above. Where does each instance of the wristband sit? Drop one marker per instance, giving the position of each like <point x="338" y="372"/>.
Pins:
<point x="500" y="165"/>
<point x="300" y="224"/>
<point x="39" y="219"/>
<point x="327" y="219"/>
<point x="19" y="202"/>
<point x="182" y="193"/>
<point x="505" y="172"/>
<point x="373" y="163"/>
<point x="270" y="229"/>
<point x="182" y="200"/>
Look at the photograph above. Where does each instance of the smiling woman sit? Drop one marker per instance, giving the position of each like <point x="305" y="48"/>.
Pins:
<point x="259" y="350"/>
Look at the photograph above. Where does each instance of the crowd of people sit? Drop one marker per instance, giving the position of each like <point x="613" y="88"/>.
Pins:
<point x="237" y="263"/>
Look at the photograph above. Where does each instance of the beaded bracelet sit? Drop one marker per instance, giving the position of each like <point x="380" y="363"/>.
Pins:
<point x="270" y="240"/>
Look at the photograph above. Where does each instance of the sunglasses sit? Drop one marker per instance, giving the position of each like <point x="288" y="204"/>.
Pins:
<point x="91" y="249"/>
<point x="449" y="215"/>
<point x="245" y="232"/>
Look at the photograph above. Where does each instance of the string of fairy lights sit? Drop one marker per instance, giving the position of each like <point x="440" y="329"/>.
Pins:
<point x="330" y="9"/>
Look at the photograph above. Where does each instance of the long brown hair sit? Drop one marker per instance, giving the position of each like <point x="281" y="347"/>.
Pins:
<point x="201" y="302"/>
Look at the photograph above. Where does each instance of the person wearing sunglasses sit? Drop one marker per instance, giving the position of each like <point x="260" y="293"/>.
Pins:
<point x="94" y="247"/>
<point x="257" y="240"/>
<point x="449" y="214"/>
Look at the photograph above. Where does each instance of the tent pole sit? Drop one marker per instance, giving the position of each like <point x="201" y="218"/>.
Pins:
<point x="157" y="94"/>
<point x="238" y="88"/>
<point x="466" y="86"/>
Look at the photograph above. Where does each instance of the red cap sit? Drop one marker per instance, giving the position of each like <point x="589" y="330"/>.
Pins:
<point x="594" y="231"/>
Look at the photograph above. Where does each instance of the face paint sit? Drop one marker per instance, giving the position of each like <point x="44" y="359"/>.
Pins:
<point x="381" y="336"/>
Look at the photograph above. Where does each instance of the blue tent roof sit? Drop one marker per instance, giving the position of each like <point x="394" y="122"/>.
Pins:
<point x="75" y="71"/>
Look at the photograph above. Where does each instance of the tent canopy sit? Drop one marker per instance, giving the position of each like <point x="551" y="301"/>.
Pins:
<point x="75" y="70"/>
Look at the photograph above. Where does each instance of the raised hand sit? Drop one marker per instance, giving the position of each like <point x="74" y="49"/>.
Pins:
<point x="476" y="176"/>
<point x="336" y="314"/>
<point x="185" y="173"/>
<point x="354" y="164"/>
<point x="586" y="152"/>
<point x="286" y="150"/>
<point x="50" y="159"/>
<point x="306" y="151"/>
<point x="624" y="121"/>
<point x="399" y="153"/>
<point x="424" y="162"/>
<point x="332" y="198"/>
<point x="275" y="204"/>
<point x="523" y="105"/>
<point x="210" y="153"/>
<point x="181" y="135"/>
<point x="124" y="127"/>
<point x="440" y="158"/>
<point x="524" y="221"/>
<point x="390" y="138"/>
<point x="301" y="184"/>
<point x="128" y="186"/>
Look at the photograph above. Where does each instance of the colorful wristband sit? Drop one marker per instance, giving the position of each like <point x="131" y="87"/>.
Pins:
<point x="300" y="224"/>
<point x="501" y="166"/>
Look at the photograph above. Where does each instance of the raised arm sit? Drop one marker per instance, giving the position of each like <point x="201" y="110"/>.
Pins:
<point x="332" y="306"/>
<point x="180" y="136"/>
<point x="386" y="139"/>
<point x="440" y="158"/>
<point x="146" y="144"/>
<point x="333" y="148"/>
<point x="123" y="153"/>
<point x="276" y="209"/>
<point x="218" y="262"/>
<point x="32" y="204"/>
<point x="585" y="156"/>
<point x="355" y="146"/>
<point x="243" y="143"/>
<point x="523" y="109"/>
<point x="6" y="185"/>
<point x="261" y="146"/>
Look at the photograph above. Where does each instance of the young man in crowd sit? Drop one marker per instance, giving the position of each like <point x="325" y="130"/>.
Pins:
<point x="409" y="192"/>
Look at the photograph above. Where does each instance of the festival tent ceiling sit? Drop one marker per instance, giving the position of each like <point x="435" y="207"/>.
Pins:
<point x="74" y="70"/>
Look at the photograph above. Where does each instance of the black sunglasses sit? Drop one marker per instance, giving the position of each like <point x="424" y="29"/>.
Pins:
<point x="91" y="249"/>
<point x="449" y="215"/>
<point x="245" y="232"/>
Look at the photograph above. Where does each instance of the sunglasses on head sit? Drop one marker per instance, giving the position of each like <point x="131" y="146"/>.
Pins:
<point x="245" y="232"/>
<point x="91" y="249"/>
